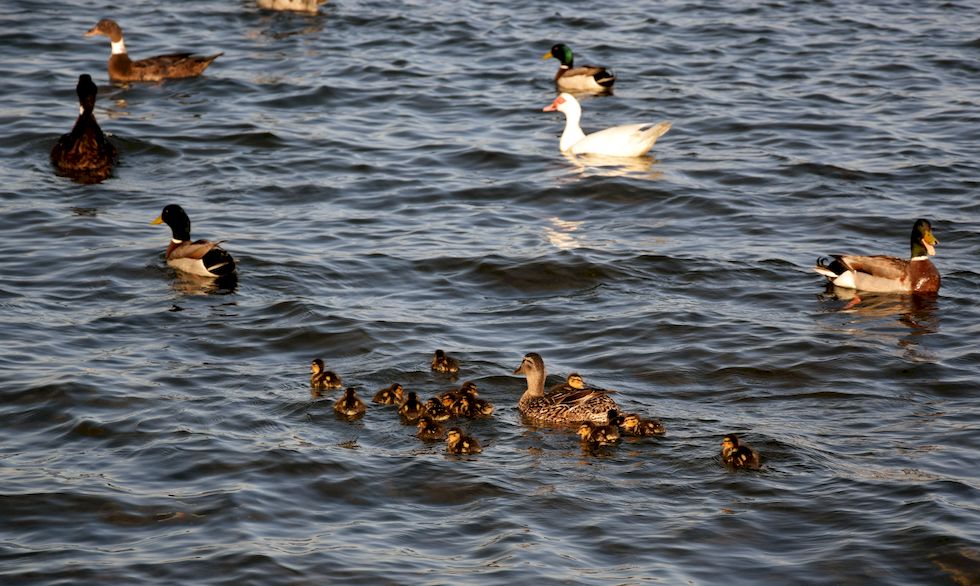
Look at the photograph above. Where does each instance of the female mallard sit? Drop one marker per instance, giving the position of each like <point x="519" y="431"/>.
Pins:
<point x="200" y="257"/>
<point x="391" y="395"/>
<point x="738" y="455"/>
<point x="631" y="424"/>
<point x="321" y="379"/>
<point x="584" y="78"/>
<point x="350" y="405"/>
<point x="442" y="362"/>
<point x="888" y="274"/>
<point x="562" y="406"/>
<point x="122" y="68"/>
<point x="457" y="443"/>
<point x="84" y="154"/>
<point x="429" y="429"/>
<point x="412" y="409"/>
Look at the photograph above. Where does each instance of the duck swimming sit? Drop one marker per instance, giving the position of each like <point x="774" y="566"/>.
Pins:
<point x="631" y="424"/>
<point x="584" y="78"/>
<point x="429" y="430"/>
<point x="412" y="409"/>
<point x="84" y="154"/>
<point x="600" y="434"/>
<point x="391" y="395"/>
<point x="562" y="406"/>
<point x="738" y="455"/>
<point x="888" y="274"/>
<point x="201" y="257"/>
<point x="321" y="379"/>
<point x="292" y="5"/>
<point x="457" y="443"/>
<point x="350" y="405"/>
<point x="122" y="68"/>
<point x="629" y="140"/>
<point x="436" y="410"/>
<point x="442" y="362"/>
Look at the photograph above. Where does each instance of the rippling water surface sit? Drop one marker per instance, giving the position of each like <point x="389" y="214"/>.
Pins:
<point x="389" y="185"/>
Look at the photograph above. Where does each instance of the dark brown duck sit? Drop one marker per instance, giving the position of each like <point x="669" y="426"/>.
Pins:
<point x="122" y="68"/>
<point x="85" y="154"/>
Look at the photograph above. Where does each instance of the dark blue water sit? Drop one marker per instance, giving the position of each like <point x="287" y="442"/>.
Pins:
<point x="386" y="179"/>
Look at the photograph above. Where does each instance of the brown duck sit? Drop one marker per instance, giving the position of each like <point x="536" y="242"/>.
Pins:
<point x="122" y="68"/>
<point x="84" y="154"/>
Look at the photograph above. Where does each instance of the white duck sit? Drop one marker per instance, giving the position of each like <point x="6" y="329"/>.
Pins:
<point x="629" y="140"/>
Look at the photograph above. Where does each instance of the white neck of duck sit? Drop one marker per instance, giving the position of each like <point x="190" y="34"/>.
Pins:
<point x="118" y="47"/>
<point x="573" y="132"/>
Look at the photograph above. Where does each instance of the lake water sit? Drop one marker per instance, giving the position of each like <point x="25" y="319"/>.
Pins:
<point x="386" y="179"/>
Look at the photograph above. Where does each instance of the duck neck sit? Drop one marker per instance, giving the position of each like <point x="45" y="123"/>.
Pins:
<point x="535" y="384"/>
<point x="573" y="132"/>
<point x="118" y="47"/>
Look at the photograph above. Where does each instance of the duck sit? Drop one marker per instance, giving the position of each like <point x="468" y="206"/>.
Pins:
<point x="630" y="140"/>
<point x="888" y="274"/>
<point x="390" y="395"/>
<point x="412" y="409"/>
<point x="85" y="154"/>
<point x="442" y="362"/>
<point x="633" y="425"/>
<point x="429" y="429"/>
<point x="457" y="443"/>
<point x="600" y="434"/>
<point x="469" y="404"/>
<point x="310" y="6"/>
<point x="584" y="78"/>
<point x="738" y="455"/>
<point x="350" y="405"/>
<point x="122" y="68"/>
<point x="570" y="406"/>
<point x="436" y="410"/>
<point x="200" y="257"/>
<point x="322" y="379"/>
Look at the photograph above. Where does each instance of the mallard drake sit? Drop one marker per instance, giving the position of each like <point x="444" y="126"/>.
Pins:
<point x="200" y="257"/>
<point x="412" y="408"/>
<point x="584" y="78"/>
<point x="738" y="455"/>
<point x="321" y="379"/>
<point x="631" y="424"/>
<point x="436" y="410"/>
<point x="600" y="434"/>
<point x="563" y="406"/>
<point x="350" y="405"/>
<point x="442" y="362"/>
<point x="122" y="68"/>
<point x="629" y="140"/>
<point x="292" y="5"/>
<point x="888" y="274"/>
<point x="391" y="395"/>
<point x="84" y="154"/>
<point x="429" y="429"/>
<point x="457" y="443"/>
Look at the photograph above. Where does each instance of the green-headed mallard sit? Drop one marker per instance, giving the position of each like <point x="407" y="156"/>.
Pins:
<point x="633" y="425"/>
<point x="391" y="395"/>
<point x="429" y="429"/>
<point x="84" y="154"/>
<point x="457" y="443"/>
<point x="738" y="455"/>
<point x="560" y="407"/>
<point x="412" y="408"/>
<point x="350" y="405"/>
<point x="888" y="274"/>
<point x="442" y="362"/>
<point x="584" y="78"/>
<point x="200" y="257"/>
<point x="122" y="68"/>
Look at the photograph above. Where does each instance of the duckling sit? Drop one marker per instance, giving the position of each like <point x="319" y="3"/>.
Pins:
<point x="200" y="257"/>
<point x="412" y="409"/>
<point x="350" y="405"/>
<point x="598" y="434"/>
<point x="457" y="443"/>
<point x="84" y="154"/>
<point x="573" y="381"/>
<point x="585" y="78"/>
<point x="322" y="380"/>
<point x="122" y="68"/>
<point x="468" y="404"/>
<point x="738" y="455"/>
<point x="391" y="395"/>
<point x="429" y="429"/>
<point x="631" y="424"/>
<point x="562" y="406"/>
<point x="442" y="362"/>
<point x="436" y="410"/>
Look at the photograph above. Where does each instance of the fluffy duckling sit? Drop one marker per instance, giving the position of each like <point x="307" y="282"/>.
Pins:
<point x="738" y="455"/>
<point x="350" y="405"/>
<point x="457" y="443"/>
<point x="412" y="409"/>
<point x="122" y="68"/>
<point x="584" y="78"/>
<point x="436" y="410"/>
<point x="888" y="274"/>
<point x="442" y="362"/>
<point x="429" y="429"/>
<point x="598" y="434"/>
<point x="631" y="424"/>
<point x="321" y="379"/>
<point x="469" y="404"/>
<point x="561" y="406"/>
<point x="391" y="395"/>
<point x="200" y="257"/>
<point x="84" y="154"/>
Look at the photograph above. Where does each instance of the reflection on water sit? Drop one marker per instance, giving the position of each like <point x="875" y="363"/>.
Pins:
<point x="603" y="166"/>
<point x="188" y="284"/>
<point x="559" y="234"/>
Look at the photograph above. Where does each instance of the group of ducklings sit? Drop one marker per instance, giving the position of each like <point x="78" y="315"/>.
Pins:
<point x="428" y="416"/>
